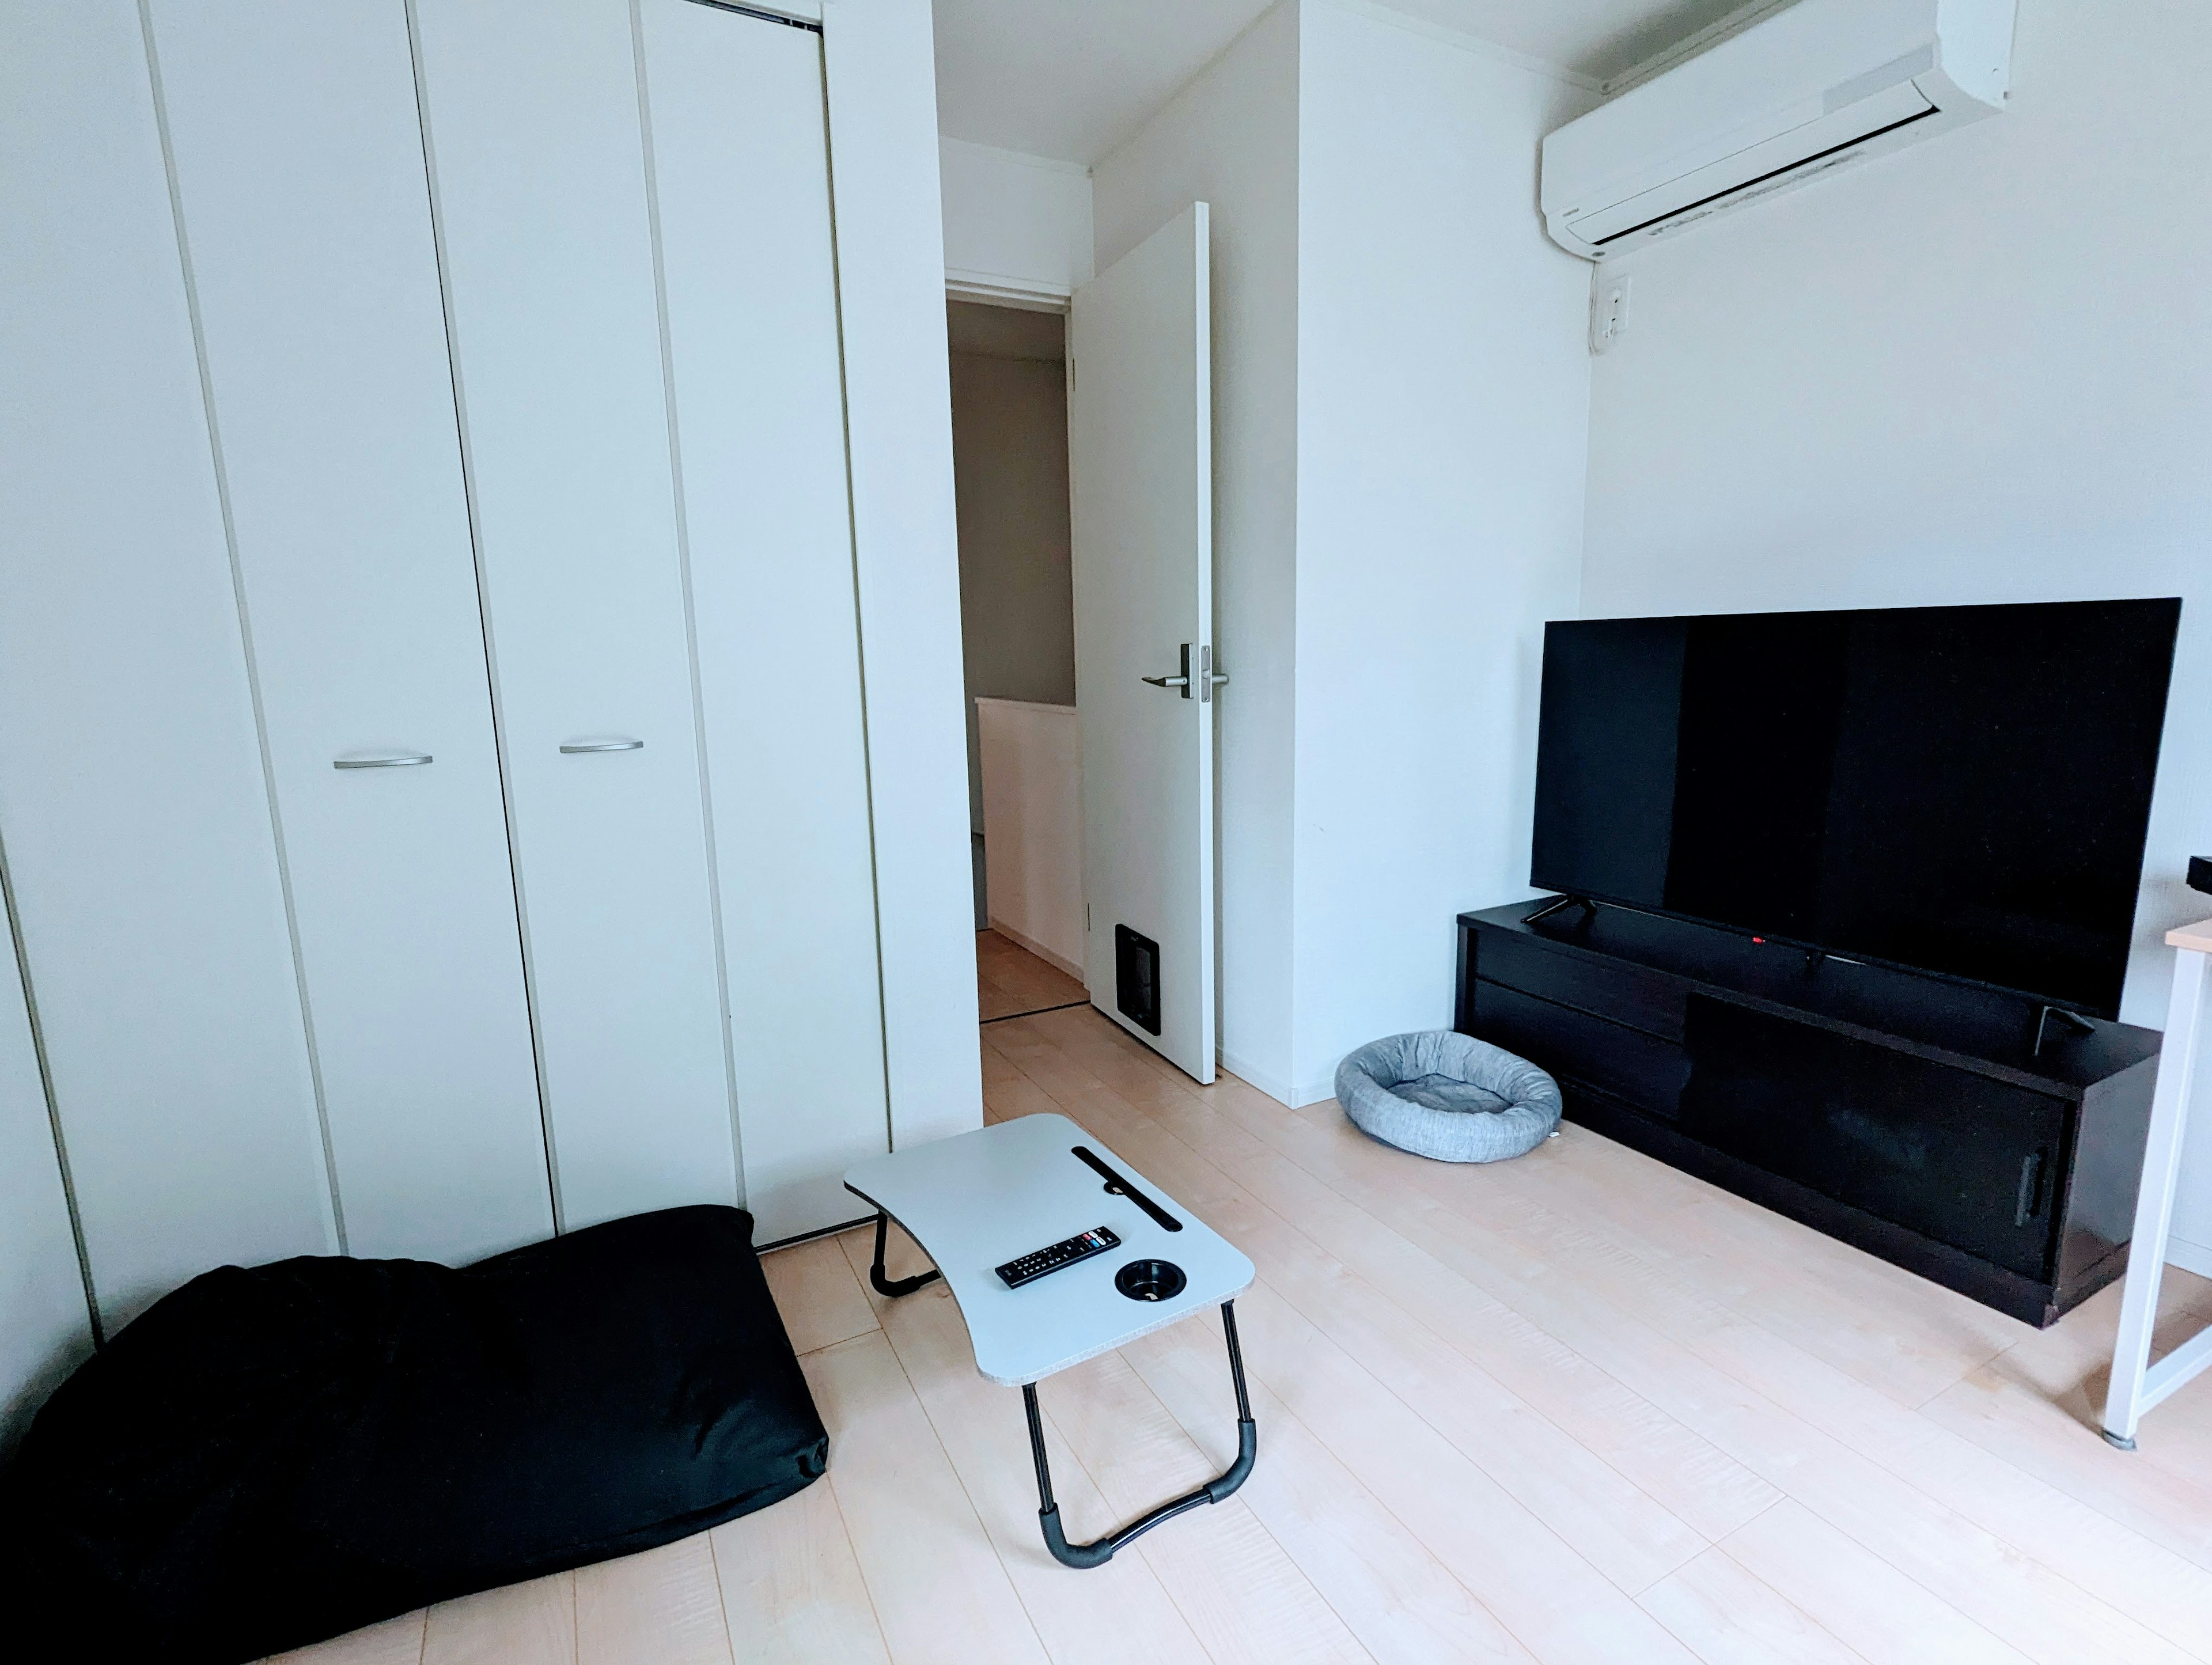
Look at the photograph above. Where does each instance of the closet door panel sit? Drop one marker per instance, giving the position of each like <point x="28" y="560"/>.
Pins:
<point x="133" y="805"/>
<point x="299" y="166"/>
<point x="538" y="173"/>
<point x="45" y="1326"/>
<point x="742" y="181"/>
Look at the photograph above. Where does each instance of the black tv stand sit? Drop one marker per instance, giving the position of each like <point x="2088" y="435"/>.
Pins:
<point x="1978" y="1139"/>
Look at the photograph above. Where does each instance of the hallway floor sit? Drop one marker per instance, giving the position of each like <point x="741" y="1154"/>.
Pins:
<point x="1013" y="982"/>
<point x="1576" y="1408"/>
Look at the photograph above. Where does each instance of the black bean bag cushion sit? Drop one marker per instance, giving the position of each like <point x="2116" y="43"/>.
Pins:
<point x="273" y="1456"/>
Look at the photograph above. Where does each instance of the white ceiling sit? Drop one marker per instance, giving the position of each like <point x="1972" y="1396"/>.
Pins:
<point x="1073" y="79"/>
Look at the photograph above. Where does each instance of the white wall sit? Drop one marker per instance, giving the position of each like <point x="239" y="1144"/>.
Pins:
<point x="1977" y="371"/>
<point x="1032" y="769"/>
<point x="1017" y="227"/>
<point x="1016" y="593"/>
<point x="1401" y="416"/>
<point x="1231" y="139"/>
<point x="1442" y="418"/>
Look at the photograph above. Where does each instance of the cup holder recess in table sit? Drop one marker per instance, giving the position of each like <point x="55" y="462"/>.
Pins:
<point x="1150" y="1281"/>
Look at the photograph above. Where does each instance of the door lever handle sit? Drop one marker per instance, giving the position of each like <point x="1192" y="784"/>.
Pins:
<point x="1181" y="680"/>
<point x="1206" y="681"/>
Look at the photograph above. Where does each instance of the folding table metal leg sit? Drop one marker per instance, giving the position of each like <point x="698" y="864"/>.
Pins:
<point x="1100" y="1551"/>
<point x="891" y="1288"/>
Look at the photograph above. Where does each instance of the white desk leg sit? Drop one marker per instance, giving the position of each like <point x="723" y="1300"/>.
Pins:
<point x="2169" y="1127"/>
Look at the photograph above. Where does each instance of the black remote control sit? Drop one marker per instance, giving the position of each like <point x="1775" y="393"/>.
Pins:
<point x="1037" y="1263"/>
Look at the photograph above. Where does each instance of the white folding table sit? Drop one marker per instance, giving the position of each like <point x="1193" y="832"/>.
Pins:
<point x="2137" y="1384"/>
<point x="978" y="1201"/>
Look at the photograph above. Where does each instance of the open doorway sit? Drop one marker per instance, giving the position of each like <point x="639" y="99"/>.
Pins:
<point x="1017" y="624"/>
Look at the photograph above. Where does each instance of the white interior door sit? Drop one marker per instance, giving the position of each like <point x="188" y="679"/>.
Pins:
<point x="741" y="178"/>
<point x="1140" y="447"/>
<point x="299" y="170"/>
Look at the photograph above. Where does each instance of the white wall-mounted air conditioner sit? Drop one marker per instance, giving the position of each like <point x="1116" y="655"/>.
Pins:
<point x="1797" y="94"/>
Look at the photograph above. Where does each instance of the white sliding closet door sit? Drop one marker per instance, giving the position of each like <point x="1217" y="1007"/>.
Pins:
<point x="742" y="178"/>
<point x="538" y="175"/>
<point x="45" y="1326"/>
<point x="133" y="804"/>
<point x="298" y="169"/>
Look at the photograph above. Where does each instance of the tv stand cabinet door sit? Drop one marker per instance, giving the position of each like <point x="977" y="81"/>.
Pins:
<point x="1972" y="1162"/>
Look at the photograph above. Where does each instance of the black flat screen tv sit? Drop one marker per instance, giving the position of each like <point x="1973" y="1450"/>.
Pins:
<point x="1964" y="790"/>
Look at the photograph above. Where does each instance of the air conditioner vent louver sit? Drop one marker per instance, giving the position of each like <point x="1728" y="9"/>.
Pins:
<point x="1796" y="95"/>
<point x="1836" y="156"/>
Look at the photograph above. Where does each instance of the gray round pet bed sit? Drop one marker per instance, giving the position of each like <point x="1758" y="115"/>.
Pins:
<point x="1449" y="1097"/>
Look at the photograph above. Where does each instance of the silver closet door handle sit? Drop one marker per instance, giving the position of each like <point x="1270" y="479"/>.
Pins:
<point x="573" y="747"/>
<point x="382" y="760"/>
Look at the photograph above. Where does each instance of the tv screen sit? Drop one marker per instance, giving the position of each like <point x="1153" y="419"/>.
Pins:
<point x="1960" y="790"/>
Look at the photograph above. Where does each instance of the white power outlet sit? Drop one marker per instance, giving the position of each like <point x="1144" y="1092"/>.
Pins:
<point x="1608" y="310"/>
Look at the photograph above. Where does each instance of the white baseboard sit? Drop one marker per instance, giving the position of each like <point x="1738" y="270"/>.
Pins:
<point x="1039" y="950"/>
<point x="1289" y="1097"/>
<point x="1252" y="1076"/>
<point x="2189" y="1256"/>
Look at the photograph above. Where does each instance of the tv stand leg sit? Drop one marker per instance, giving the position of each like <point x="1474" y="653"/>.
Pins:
<point x="1561" y="904"/>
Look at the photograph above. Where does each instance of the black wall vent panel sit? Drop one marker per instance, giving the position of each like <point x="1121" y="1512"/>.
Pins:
<point x="1137" y="979"/>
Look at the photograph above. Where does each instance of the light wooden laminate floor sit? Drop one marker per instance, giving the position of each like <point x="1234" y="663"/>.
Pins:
<point x="1010" y="981"/>
<point x="1576" y="1408"/>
